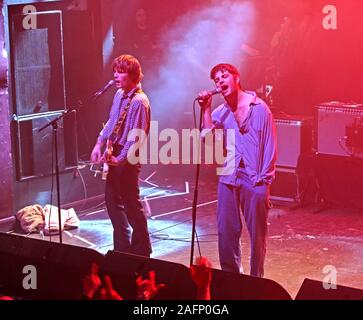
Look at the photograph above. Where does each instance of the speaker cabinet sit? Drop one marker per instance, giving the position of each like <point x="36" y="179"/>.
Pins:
<point x="235" y="286"/>
<point x="333" y="122"/>
<point x="35" y="150"/>
<point x="37" y="62"/>
<point x="124" y="269"/>
<point x="314" y="290"/>
<point x="294" y="136"/>
<point x="59" y="268"/>
<point x="285" y="185"/>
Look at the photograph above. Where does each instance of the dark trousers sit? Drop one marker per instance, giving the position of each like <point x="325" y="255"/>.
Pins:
<point x="125" y="209"/>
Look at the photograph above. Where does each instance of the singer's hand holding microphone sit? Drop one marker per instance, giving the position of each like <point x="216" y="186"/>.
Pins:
<point x="205" y="97"/>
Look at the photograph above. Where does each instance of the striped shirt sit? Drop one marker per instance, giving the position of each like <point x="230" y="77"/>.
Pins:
<point x="137" y="117"/>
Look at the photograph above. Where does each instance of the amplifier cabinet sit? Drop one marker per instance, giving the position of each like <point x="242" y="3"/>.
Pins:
<point x="333" y="121"/>
<point x="285" y="186"/>
<point x="294" y="136"/>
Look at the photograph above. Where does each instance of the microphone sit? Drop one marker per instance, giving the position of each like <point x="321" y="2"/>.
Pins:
<point x="38" y="106"/>
<point x="105" y="88"/>
<point x="211" y="93"/>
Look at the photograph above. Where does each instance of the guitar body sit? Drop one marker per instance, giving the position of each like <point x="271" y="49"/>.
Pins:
<point x="107" y="155"/>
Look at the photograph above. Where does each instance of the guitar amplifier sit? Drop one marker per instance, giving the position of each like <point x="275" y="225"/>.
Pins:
<point x="334" y="122"/>
<point x="294" y="136"/>
<point x="33" y="149"/>
<point x="285" y="186"/>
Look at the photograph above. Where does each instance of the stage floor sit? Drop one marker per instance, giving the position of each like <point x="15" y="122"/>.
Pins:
<point x="301" y="243"/>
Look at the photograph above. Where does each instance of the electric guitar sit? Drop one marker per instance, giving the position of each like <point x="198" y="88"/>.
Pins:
<point x="107" y="156"/>
<point x="109" y="145"/>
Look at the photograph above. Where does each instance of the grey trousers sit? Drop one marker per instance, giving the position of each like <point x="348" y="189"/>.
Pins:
<point x="252" y="202"/>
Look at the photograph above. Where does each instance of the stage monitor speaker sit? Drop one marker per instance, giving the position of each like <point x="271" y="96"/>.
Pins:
<point x="294" y="136"/>
<point x="124" y="269"/>
<point x="333" y="121"/>
<point x="314" y="290"/>
<point x="59" y="267"/>
<point x="235" y="286"/>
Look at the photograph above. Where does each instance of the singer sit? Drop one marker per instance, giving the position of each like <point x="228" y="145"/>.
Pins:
<point x="246" y="189"/>
<point x="130" y="110"/>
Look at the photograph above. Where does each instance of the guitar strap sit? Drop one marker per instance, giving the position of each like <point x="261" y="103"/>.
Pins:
<point x="122" y="118"/>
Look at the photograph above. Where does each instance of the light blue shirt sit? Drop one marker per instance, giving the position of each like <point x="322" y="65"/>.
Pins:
<point x="255" y="142"/>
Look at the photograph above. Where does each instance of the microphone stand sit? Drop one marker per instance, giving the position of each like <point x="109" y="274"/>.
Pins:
<point x="195" y="197"/>
<point x="54" y="124"/>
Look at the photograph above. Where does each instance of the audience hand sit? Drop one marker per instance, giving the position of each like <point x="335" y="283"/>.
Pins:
<point x="91" y="282"/>
<point x="108" y="292"/>
<point x="147" y="288"/>
<point x="202" y="276"/>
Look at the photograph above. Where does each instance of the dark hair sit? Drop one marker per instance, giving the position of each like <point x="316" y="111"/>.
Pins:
<point x="224" y="67"/>
<point x="127" y="63"/>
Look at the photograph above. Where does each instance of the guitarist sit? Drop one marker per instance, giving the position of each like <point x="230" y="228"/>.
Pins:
<point x="130" y="110"/>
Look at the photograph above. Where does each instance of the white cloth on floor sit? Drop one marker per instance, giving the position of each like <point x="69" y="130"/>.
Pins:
<point x="35" y="218"/>
<point x="69" y="219"/>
